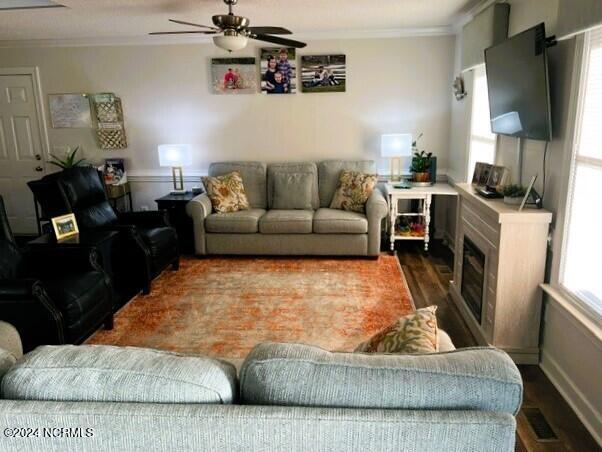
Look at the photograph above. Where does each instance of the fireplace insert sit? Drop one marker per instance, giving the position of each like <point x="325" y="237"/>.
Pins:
<point x="473" y="277"/>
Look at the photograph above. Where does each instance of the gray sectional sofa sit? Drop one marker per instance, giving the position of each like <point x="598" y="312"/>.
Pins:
<point x="286" y="230"/>
<point x="286" y="397"/>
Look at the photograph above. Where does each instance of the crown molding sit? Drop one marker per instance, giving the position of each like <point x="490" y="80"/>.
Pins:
<point x="171" y="40"/>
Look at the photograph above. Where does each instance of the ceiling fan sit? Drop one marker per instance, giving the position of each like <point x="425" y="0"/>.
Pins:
<point x="232" y="32"/>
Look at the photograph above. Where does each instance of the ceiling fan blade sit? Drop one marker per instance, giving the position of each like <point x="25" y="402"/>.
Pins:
<point x="181" y="22"/>
<point x="183" y="32"/>
<point x="277" y="40"/>
<point x="269" y="31"/>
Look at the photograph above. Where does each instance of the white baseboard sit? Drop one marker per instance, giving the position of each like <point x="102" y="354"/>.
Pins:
<point x="585" y="411"/>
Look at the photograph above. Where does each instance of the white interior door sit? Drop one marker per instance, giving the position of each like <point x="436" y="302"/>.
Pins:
<point x="21" y="152"/>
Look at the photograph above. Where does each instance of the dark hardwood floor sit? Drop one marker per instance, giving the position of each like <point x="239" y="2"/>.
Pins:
<point x="428" y="277"/>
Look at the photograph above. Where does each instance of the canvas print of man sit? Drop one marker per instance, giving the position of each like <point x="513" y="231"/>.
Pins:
<point x="278" y="71"/>
<point x="323" y="73"/>
<point x="233" y="76"/>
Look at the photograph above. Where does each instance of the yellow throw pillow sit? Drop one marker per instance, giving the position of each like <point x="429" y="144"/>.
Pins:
<point x="227" y="192"/>
<point x="353" y="191"/>
<point x="413" y="333"/>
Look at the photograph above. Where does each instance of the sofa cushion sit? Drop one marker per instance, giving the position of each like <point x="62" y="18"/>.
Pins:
<point x="286" y="222"/>
<point x="227" y="192"/>
<point x="353" y="191"/>
<point x="101" y="373"/>
<point x="335" y="221"/>
<point x="241" y="222"/>
<point x="480" y="378"/>
<point x="253" y="178"/>
<point x="294" y="168"/>
<point x="413" y="333"/>
<point x="329" y="172"/>
<point x="293" y="191"/>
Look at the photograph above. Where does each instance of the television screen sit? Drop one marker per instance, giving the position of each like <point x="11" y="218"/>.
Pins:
<point x="517" y="81"/>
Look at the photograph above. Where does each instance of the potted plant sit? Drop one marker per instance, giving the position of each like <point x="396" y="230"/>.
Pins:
<point x="69" y="161"/>
<point x="513" y="194"/>
<point x="421" y="163"/>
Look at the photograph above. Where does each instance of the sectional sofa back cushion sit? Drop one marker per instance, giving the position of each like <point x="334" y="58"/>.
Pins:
<point x="253" y="179"/>
<point x="478" y="378"/>
<point x="100" y="373"/>
<point x="329" y="173"/>
<point x="293" y="186"/>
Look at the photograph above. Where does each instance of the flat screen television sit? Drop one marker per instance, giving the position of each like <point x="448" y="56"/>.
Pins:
<point x="518" y="86"/>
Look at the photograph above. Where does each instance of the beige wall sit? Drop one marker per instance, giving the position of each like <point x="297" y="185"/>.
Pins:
<point x="394" y="85"/>
<point x="569" y="348"/>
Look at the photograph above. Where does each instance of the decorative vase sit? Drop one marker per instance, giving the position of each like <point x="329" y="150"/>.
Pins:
<point x="513" y="201"/>
<point x="424" y="176"/>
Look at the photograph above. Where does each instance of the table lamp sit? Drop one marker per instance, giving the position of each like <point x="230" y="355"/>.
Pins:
<point x="175" y="156"/>
<point x="395" y="146"/>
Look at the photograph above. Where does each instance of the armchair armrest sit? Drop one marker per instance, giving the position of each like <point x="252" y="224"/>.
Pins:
<point x="25" y="304"/>
<point x="17" y="289"/>
<point x="149" y="219"/>
<point x="377" y="208"/>
<point x="46" y="260"/>
<point x="199" y="208"/>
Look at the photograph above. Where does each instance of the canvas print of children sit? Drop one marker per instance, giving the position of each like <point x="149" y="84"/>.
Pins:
<point x="278" y="71"/>
<point x="233" y="76"/>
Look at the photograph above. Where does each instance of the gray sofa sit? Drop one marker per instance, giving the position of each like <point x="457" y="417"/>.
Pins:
<point x="287" y="397"/>
<point x="263" y="229"/>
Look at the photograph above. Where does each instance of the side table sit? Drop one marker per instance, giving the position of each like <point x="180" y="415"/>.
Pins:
<point x="175" y="205"/>
<point x="422" y="194"/>
<point x="121" y="191"/>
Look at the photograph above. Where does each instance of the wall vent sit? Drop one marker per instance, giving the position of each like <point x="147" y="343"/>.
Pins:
<point x="543" y="431"/>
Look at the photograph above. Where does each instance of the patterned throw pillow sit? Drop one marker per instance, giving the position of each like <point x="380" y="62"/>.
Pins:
<point x="413" y="333"/>
<point x="353" y="191"/>
<point x="227" y="193"/>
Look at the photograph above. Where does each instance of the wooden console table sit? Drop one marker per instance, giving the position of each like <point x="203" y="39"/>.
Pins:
<point x="422" y="194"/>
<point x="500" y="257"/>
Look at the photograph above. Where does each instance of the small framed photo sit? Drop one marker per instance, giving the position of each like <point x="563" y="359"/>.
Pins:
<point x="481" y="173"/>
<point x="65" y="227"/>
<point x="497" y="177"/>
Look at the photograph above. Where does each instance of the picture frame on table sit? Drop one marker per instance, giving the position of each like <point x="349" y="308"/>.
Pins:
<point x="498" y="177"/>
<point x="481" y="173"/>
<point x="65" y="227"/>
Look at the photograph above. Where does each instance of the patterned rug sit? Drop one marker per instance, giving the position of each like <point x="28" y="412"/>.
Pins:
<point x="222" y="307"/>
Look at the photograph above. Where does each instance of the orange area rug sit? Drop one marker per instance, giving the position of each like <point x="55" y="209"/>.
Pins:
<point x="222" y="307"/>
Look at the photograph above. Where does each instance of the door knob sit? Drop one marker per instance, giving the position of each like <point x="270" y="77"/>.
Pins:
<point x="39" y="169"/>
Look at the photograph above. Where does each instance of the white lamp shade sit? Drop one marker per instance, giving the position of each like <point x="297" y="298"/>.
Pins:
<point x="174" y="155"/>
<point x="230" y="42"/>
<point x="396" y="145"/>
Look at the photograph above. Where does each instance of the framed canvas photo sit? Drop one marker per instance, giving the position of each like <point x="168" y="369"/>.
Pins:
<point x="323" y="73"/>
<point x="233" y="76"/>
<point x="278" y="70"/>
<point x="65" y="226"/>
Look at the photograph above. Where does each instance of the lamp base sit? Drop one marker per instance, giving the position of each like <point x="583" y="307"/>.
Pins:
<point x="177" y="192"/>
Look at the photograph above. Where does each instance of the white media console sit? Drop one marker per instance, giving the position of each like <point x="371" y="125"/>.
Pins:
<point x="500" y="257"/>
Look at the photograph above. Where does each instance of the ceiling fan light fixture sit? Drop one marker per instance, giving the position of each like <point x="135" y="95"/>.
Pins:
<point x="231" y="42"/>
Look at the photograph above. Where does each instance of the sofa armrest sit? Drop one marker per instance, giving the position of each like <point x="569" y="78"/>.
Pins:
<point x="199" y="208"/>
<point x="377" y="208"/>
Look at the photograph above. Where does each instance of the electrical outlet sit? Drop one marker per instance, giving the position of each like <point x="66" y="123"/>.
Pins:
<point x="144" y="208"/>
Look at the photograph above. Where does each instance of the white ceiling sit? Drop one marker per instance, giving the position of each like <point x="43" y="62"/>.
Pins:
<point x="93" y="19"/>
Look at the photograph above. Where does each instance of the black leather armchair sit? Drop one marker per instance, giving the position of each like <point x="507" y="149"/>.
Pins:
<point x="148" y="243"/>
<point x="51" y="295"/>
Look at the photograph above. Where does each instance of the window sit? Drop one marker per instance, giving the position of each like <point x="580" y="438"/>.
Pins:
<point x="482" y="141"/>
<point x="580" y="271"/>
